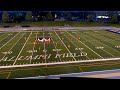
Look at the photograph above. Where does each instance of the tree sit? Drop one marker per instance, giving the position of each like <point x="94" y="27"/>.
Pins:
<point x="114" y="19"/>
<point x="18" y="19"/>
<point x="69" y="17"/>
<point x="44" y="18"/>
<point x="28" y="16"/>
<point x="5" y="17"/>
<point x="90" y="18"/>
<point x="49" y="16"/>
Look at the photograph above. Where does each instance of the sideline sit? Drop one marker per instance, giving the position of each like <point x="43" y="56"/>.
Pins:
<point x="55" y="63"/>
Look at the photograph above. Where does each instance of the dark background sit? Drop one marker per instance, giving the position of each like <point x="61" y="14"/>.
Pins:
<point x="59" y="5"/>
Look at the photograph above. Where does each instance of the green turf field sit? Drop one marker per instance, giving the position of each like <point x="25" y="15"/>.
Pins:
<point x="21" y="48"/>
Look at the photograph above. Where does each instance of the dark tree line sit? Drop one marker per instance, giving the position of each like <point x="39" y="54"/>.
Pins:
<point x="28" y="17"/>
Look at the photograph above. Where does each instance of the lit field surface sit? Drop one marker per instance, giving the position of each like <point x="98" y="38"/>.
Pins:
<point x="21" y="55"/>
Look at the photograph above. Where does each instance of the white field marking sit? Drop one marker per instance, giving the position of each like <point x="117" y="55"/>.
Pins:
<point x="108" y="34"/>
<point x="33" y="49"/>
<point x="8" y="75"/>
<point x="3" y="35"/>
<point x="14" y="44"/>
<point x="65" y="46"/>
<point x="108" y="40"/>
<point x="80" y="69"/>
<point x="9" y="40"/>
<point x="4" y="38"/>
<point x="22" y="49"/>
<point x="99" y="47"/>
<point x="85" y="45"/>
<point x="107" y="46"/>
<point x="117" y="46"/>
<point x="54" y="45"/>
<point x="44" y="47"/>
<point x="8" y="52"/>
<point x="58" y="63"/>
<point x="75" y="45"/>
<point x="96" y="45"/>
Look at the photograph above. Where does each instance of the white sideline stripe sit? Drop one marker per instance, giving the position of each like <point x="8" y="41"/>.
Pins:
<point x="85" y="45"/>
<point x="65" y="46"/>
<point x="33" y="47"/>
<point x="9" y="40"/>
<point x="15" y="44"/>
<point x="100" y="43"/>
<point x="56" y="63"/>
<point x="74" y="44"/>
<point x="54" y="45"/>
<point x="22" y="49"/>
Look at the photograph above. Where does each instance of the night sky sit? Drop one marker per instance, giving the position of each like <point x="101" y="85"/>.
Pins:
<point x="58" y="5"/>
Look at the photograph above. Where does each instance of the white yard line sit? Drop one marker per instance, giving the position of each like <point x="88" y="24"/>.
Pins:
<point x="107" y="39"/>
<point x="57" y="63"/>
<point x="54" y="45"/>
<point x="9" y="40"/>
<point x="3" y="34"/>
<point x="110" y="43"/>
<point x="85" y="45"/>
<point x="33" y="48"/>
<point x="22" y="49"/>
<point x="14" y="44"/>
<point x="96" y="45"/>
<point x="4" y="38"/>
<point x="44" y="47"/>
<point x="65" y="46"/>
<point x="110" y="34"/>
<point x="74" y="45"/>
<point x="104" y="36"/>
<point x="8" y="75"/>
<point x="80" y="69"/>
<point x="109" y="46"/>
